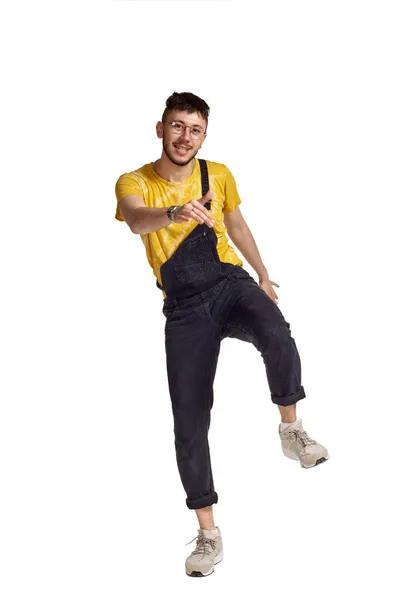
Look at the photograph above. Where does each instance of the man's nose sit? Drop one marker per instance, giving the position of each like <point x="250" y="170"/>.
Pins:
<point x="186" y="134"/>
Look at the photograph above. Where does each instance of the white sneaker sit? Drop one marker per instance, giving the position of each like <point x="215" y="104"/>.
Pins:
<point x="297" y="445"/>
<point x="208" y="552"/>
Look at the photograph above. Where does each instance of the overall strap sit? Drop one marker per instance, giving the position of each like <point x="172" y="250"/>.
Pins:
<point x="204" y="180"/>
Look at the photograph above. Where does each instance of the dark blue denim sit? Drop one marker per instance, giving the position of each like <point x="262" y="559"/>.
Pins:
<point x="234" y="307"/>
<point x="207" y="301"/>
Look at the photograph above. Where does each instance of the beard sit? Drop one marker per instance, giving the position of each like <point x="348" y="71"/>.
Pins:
<point x="180" y="162"/>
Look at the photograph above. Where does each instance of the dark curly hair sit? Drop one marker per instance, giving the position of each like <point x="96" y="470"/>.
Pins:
<point x="188" y="102"/>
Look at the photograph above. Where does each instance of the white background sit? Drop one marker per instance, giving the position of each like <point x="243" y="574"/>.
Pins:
<point x="304" y="102"/>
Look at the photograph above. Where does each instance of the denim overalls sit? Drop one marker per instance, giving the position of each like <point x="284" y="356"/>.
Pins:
<point x="208" y="301"/>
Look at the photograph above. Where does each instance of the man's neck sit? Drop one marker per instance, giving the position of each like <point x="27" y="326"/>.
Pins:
<point x="171" y="172"/>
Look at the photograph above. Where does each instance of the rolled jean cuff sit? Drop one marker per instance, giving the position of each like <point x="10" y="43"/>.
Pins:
<point x="203" y="501"/>
<point x="289" y="400"/>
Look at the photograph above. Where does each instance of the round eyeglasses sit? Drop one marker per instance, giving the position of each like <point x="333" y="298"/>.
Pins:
<point x="178" y="128"/>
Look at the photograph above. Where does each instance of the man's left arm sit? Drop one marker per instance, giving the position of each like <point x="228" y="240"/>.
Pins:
<point x="241" y="236"/>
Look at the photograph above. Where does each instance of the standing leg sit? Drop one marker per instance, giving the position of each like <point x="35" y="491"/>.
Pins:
<point x="205" y="517"/>
<point x="192" y="349"/>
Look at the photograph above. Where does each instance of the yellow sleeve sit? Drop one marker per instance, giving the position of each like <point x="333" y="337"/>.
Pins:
<point x="126" y="184"/>
<point x="232" y="199"/>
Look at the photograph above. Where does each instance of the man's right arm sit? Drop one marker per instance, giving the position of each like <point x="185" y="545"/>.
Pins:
<point x="140" y="218"/>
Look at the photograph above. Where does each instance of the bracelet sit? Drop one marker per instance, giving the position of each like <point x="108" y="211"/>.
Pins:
<point x="171" y="211"/>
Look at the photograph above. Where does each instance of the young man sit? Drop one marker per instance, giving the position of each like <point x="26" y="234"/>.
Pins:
<point x="182" y="208"/>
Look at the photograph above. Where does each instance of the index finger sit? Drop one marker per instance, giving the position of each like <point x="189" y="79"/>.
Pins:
<point x="206" y="197"/>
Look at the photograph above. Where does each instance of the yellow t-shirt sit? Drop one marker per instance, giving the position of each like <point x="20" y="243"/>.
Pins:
<point x="160" y="193"/>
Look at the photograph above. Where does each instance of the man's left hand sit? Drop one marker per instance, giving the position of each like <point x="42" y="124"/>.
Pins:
<point x="266" y="286"/>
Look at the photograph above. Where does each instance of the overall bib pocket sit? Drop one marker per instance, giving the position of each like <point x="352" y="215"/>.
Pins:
<point x="195" y="259"/>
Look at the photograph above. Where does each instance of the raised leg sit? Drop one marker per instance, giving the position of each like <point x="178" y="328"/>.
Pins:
<point x="257" y="319"/>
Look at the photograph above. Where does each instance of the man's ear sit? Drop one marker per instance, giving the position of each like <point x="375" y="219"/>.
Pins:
<point x="159" y="129"/>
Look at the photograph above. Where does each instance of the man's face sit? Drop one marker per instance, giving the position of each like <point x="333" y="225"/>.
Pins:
<point x="181" y="148"/>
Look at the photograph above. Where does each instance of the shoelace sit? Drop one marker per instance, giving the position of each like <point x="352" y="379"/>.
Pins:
<point x="301" y="438"/>
<point x="203" y="545"/>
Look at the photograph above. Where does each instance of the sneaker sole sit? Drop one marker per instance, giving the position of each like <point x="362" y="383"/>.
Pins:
<point x="319" y="461"/>
<point x="295" y="457"/>
<point x="218" y="559"/>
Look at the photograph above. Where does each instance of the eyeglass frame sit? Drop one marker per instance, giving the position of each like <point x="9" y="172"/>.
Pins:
<point x="185" y="127"/>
